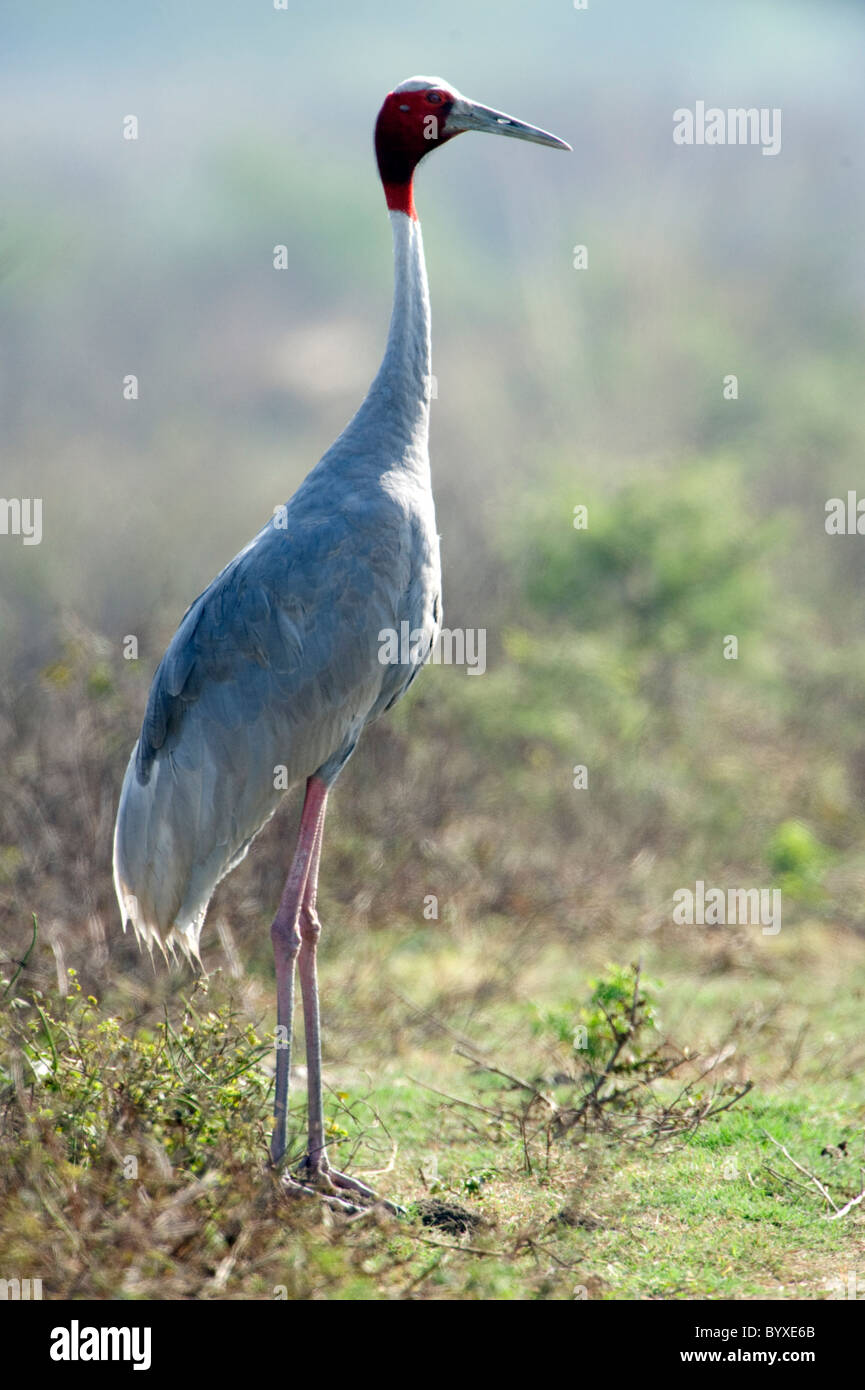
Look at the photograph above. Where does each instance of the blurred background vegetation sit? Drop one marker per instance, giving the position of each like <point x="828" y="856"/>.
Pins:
<point x="556" y="387"/>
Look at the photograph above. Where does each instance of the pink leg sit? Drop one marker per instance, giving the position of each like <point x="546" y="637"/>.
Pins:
<point x="317" y="1164"/>
<point x="285" y="935"/>
<point x="295" y="932"/>
<point x="310" y="931"/>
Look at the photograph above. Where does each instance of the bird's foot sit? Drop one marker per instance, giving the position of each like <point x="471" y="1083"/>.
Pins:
<point x="298" y="1189"/>
<point x="328" y="1180"/>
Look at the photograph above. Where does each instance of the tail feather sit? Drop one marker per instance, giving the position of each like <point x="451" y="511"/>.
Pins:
<point x="152" y="839"/>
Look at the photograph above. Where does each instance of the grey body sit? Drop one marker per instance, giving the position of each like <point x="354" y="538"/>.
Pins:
<point x="276" y="665"/>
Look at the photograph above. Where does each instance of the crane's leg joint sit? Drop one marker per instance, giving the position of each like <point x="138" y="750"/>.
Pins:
<point x="286" y="941"/>
<point x="310" y="926"/>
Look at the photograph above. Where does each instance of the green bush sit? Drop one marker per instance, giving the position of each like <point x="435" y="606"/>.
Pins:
<point x="675" y="559"/>
<point x="798" y="859"/>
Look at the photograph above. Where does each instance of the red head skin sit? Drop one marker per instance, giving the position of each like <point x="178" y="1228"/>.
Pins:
<point x="409" y="125"/>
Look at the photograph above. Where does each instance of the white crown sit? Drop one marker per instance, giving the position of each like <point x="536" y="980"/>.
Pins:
<point x="419" y="84"/>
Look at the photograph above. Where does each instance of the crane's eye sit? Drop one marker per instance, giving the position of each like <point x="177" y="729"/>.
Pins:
<point x="434" y="96"/>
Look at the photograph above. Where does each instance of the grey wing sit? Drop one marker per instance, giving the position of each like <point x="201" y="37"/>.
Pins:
<point x="267" y="678"/>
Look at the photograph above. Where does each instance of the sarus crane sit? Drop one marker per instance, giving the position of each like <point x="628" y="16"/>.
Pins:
<point x="277" y="667"/>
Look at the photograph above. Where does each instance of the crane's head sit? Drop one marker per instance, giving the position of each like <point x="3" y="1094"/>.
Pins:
<point x="421" y="114"/>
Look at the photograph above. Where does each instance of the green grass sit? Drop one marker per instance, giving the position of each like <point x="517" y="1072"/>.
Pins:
<point x="714" y="1213"/>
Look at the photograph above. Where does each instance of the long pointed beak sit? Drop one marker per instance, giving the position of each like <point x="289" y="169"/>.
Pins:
<point x="470" y="115"/>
